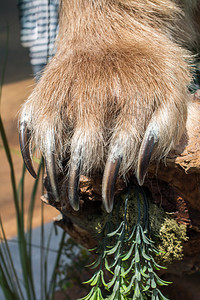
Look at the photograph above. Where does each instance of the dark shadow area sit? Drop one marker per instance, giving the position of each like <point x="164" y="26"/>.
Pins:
<point x="18" y="66"/>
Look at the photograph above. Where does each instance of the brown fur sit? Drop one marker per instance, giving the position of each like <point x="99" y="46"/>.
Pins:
<point x="120" y="66"/>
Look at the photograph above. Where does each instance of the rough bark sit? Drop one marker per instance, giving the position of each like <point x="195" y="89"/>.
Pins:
<point x="174" y="184"/>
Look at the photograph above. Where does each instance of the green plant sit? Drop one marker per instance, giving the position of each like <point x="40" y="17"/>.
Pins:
<point x="127" y="254"/>
<point x="72" y="271"/>
<point x="14" y="287"/>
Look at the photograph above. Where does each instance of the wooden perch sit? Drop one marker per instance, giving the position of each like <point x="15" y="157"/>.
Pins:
<point x="174" y="184"/>
<point x="181" y="170"/>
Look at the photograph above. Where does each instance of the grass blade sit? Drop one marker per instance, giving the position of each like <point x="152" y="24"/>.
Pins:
<point x="52" y="284"/>
<point x="8" y="272"/>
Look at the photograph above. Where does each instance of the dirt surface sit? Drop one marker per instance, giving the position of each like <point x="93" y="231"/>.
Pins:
<point x="17" y="85"/>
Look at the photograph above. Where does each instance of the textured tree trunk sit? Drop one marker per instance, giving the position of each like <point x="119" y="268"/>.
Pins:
<point x="174" y="185"/>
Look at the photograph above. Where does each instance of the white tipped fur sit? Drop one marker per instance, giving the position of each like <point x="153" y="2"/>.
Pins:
<point x="87" y="145"/>
<point x="119" y="66"/>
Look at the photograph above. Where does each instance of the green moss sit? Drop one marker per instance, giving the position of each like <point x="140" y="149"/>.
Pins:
<point x="169" y="235"/>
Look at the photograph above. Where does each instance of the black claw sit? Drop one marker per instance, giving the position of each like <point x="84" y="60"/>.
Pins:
<point x="108" y="184"/>
<point x="145" y="154"/>
<point x="73" y="184"/>
<point x="24" y="140"/>
<point x="51" y="174"/>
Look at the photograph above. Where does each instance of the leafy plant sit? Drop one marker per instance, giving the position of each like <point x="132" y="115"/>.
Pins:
<point x="127" y="254"/>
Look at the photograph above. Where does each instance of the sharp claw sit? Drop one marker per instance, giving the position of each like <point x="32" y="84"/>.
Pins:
<point x="109" y="181"/>
<point x="24" y="140"/>
<point x="51" y="173"/>
<point x="73" y="184"/>
<point x="145" y="154"/>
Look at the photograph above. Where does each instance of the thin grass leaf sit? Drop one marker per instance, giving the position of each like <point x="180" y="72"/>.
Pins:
<point x="130" y="286"/>
<point x="6" y="264"/>
<point x="87" y="297"/>
<point x="118" y="268"/>
<point x="24" y="246"/>
<point x="131" y="267"/>
<point x="162" y="296"/>
<point x="161" y="281"/>
<point x="4" y="61"/>
<point x="96" y="263"/>
<point x="112" y="281"/>
<point x="132" y="233"/>
<point x="145" y="239"/>
<point x="123" y="284"/>
<point x="52" y="284"/>
<point x="147" y="285"/>
<point x="21" y="182"/>
<point x="145" y="255"/>
<point x="99" y="294"/>
<point x="32" y="205"/>
<point x="43" y="274"/>
<point x="18" y="153"/>
<point x="113" y="264"/>
<point x="45" y="262"/>
<point x="128" y="254"/>
<point x="20" y="226"/>
<point x="94" y="279"/>
<point x="114" y="249"/>
<point x="103" y="280"/>
<point x="116" y="231"/>
<point x="116" y="285"/>
<point x="156" y="265"/>
<point x="10" y="162"/>
<point x="26" y="269"/>
<point x="8" y="293"/>
<point x="108" y="268"/>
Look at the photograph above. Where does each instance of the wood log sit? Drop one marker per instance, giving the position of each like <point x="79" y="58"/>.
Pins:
<point x="174" y="184"/>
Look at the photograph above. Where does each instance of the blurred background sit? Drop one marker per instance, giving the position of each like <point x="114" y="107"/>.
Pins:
<point x="17" y="85"/>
